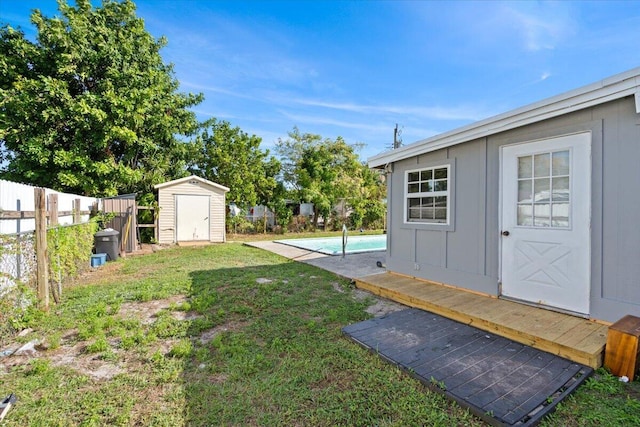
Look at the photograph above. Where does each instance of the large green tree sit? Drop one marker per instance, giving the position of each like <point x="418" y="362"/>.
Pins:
<point x="328" y="172"/>
<point x="233" y="158"/>
<point x="90" y="107"/>
<point x="368" y="208"/>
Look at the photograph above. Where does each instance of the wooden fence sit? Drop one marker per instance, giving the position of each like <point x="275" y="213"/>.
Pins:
<point x="125" y="218"/>
<point x="25" y="214"/>
<point x="17" y="207"/>
<point x="35" y="212"/>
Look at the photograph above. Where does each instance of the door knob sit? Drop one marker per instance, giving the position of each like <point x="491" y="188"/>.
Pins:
<point x="505" y="233"/>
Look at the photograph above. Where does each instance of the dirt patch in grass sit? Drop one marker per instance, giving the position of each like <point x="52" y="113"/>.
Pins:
<point x="69" y="354"/>
<point x="209" y="335"/>
<point x="163" y="346"/>
<point x="380" y="307"/>
<point x="93" y="274"/>
<point x="76" y="358"/>
<point x="146" y="311"/>
<point x="72" y="352"/>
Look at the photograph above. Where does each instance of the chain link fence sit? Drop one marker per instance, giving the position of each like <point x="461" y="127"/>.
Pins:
<point x="17" y="260"/>
<point x="17" y="280"/>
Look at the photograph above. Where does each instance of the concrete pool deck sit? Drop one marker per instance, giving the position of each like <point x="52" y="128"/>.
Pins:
<point x="352" y="266"/>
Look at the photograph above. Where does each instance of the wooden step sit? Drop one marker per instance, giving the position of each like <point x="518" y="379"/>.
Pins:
<point x="577" y="339"/>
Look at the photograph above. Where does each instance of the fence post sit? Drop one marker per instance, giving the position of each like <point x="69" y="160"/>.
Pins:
<point x="156" y="221"/>
<point x="53" y="209"/>
<point x="42" y="263"/>
<point x="76" y="211"/>
<point x="18" y="245"/>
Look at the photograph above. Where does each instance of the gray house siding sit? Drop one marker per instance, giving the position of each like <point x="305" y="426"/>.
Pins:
<point x="620" y="212"/>
<point x="466" y="253"/>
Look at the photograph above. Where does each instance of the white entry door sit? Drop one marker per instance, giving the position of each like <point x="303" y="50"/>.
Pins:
<point x="546" y="214"/>
<point x="192" y="217"/>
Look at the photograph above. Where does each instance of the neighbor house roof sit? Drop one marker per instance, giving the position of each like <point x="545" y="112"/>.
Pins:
<point x="609" y="89"/>
<point x="190" y="178"/>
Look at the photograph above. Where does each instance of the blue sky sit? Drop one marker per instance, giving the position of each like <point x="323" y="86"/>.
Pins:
<point x="356" y="68"/>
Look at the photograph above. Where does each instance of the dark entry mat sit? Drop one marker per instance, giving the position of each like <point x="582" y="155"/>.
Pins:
<point x="501" y="381"/>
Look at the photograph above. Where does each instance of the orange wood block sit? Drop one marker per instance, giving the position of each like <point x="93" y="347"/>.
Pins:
<point x="622" y="351"/>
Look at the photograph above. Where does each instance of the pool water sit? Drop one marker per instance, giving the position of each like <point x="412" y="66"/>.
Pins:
<point x="333" y="245"/>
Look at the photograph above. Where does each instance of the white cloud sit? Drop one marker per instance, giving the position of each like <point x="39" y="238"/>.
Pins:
<point x="324" y="120"/>
<point x="502" y="28"/>
<point x="433" y="113"/>
<point x="542" y="25"/>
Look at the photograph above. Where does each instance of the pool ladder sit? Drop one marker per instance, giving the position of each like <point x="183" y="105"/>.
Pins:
<point x="344" y="239"/>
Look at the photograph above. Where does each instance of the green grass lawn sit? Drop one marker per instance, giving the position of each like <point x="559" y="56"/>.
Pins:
<point x="232" y="335"/>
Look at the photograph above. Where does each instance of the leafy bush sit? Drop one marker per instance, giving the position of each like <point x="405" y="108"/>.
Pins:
<point x="17" y="309"/>
<point x="70" y="248"/>
<point x="300" y="223"/>
<point x="278" y="229"/>
<point x="239" y="224"/>
<point x="283" y="213"/>
<point x="147" y="216"/>
<point x="259" y="225"/>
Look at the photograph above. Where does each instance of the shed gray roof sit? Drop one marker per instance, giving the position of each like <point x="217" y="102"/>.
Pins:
<point x="609" y="89"/>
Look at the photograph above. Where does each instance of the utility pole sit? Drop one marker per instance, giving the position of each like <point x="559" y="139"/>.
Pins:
<point x="397" y="140"/>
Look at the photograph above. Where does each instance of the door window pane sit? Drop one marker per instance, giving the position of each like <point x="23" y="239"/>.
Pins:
<point x="541" y="190"/>
<point x="525" y="166"/>
<point x="560" y="189"/>
<point x="544" y="189"/>
<point x="560" y="217"/>
<point x="525" y="215"/>
<point x="524" y="191"/>
<point x="560" y="164"/>
<point x="541" y="215"/>
<point x="541" y="165"/>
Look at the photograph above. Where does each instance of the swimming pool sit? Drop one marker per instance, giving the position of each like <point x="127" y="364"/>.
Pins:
<point x="333" y="245"/>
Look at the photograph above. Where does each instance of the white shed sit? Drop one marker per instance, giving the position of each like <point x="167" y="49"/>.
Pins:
<point x="192" y="209"/>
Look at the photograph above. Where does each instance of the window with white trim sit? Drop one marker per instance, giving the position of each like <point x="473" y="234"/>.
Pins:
<point x="427" y="196"/>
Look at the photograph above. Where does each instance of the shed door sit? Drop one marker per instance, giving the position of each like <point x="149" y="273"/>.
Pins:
<point x="192" y="217"/>
<point x="546" y="203"/>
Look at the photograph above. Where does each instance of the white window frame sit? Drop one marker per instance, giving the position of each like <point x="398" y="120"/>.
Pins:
<point x="433" y="193"/>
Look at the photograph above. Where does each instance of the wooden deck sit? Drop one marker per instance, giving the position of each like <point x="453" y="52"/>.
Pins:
<point x="574" y="338"/>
